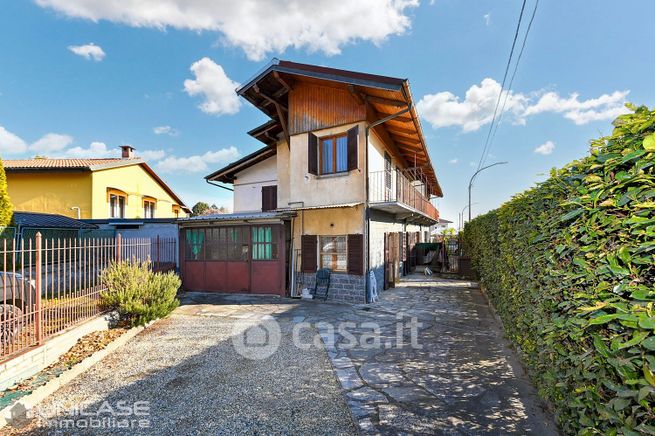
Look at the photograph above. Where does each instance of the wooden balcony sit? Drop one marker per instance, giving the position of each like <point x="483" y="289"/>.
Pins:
<point x="393" y="192"/>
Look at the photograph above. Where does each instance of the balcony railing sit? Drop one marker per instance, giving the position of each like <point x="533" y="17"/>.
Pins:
<point x="395" y="187"/>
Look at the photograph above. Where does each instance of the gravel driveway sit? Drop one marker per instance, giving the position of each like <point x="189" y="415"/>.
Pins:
<point x="185" y="377"/>
<point x="461" y="376"/>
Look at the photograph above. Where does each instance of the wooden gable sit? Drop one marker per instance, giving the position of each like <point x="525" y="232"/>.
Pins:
<point x="314" y="107"/>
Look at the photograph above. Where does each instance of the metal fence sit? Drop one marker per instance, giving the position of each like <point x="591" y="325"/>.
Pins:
<point x="48" y="285"/>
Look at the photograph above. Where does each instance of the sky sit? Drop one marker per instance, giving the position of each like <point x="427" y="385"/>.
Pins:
<point x="79" y="78"/>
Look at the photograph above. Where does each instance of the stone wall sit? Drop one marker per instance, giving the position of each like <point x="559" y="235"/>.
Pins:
<point x="27" y="364"/>
<point x="344" y="288"/>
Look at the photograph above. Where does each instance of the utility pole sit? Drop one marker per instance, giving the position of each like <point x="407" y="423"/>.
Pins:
<point x="473" y="177"/>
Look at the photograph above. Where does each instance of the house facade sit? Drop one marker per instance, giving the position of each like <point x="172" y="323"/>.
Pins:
<point x="115" y="188"/>
<point x="343" y="182"/>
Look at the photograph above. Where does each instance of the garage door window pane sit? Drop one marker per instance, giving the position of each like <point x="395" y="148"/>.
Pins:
<point x="264" y="243"/>
<point x="195" y="240"/>
<point x="215" y="245"/>
<point x="237" y="244"/>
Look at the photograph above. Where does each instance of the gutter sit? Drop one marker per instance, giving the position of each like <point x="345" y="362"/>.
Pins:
<point x="217" y="185"/>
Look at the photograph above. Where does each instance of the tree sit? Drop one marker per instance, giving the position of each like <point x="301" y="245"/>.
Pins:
<point x="200" y="208"/>
<point x="5" y="202"/>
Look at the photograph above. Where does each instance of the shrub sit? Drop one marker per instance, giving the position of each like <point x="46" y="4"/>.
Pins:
<point x="138" y="294"/>
<point x="5" y="203"/>
<point x="570" y="267"/>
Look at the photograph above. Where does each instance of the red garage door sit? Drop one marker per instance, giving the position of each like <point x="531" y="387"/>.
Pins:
<point x="242" y="259"/>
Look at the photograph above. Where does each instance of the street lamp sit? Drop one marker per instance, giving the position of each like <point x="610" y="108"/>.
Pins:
<point x="473" y="177"/>
<point x="461" y="216"/>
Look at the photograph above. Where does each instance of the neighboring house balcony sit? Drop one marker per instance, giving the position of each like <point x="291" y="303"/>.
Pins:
<point x="395" y="193"/>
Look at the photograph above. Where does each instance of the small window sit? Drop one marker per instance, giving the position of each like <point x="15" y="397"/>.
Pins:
<point x="264" y="243"/>
<point x="149" y="208"/>
<point x="333" y="252"/>
<point x="333" y="154"/>
<point x="116" y="206"/>
<point x="176" y="210"/>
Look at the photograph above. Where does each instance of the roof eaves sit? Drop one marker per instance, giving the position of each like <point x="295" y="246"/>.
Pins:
<point x="163" y="184"/>
<point x="341" y="76"/>
<point x="414" y="114"/>
<point x="241" y="162"/>
<point x="117" y="164"/>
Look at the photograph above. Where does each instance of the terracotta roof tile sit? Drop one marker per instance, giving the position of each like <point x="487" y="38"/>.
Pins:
<point x="83" y="164"/>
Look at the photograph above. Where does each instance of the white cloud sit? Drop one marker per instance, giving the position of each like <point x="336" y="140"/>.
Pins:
<point x="453" y="161"/>
<point x="99" y="149"/>
<point x="546" y="148"/>
<point x="605" y="107"/>
<point x="51" y="142"/>
<point x="487" y="19"/>
<point x="165" y="130"/>
<point x="151" y="155"/>
<point x="197" y="163"/>
<point x="213" y="84"/>
<point x="257" y="27"/>
<point x="10" y="142"/>
<point x="88" y="51"/>
<point x="94" y="150"/>
<point x="445" y="109"/>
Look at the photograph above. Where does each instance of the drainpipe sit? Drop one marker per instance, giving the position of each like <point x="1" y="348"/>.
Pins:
<point x="367" y="212"/>
<point x="302" y="232"/>
<point x="77" y="208"/>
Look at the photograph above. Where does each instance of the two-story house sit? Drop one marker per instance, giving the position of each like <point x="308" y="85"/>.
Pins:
<point x="102" y="188"/>
<point x="343" y="182"/>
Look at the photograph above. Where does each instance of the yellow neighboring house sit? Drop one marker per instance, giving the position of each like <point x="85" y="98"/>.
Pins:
<point x="123" y="187"/>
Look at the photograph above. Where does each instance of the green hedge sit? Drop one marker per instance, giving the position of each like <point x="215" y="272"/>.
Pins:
<point x="570" y="267"/>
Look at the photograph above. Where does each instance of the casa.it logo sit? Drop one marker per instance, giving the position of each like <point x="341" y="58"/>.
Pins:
<point x="256" y="338"/>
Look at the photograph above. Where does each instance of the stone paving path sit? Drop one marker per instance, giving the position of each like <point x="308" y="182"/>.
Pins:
<point x="460" y="377"/>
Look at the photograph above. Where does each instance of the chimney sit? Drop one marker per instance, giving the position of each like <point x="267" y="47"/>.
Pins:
<point x="127" y="151"/>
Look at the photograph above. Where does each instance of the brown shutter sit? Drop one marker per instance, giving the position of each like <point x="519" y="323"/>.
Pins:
<point x="312" y="154"/>
<point x="356" y="254"/>
<point x="308" y="253"/>
<point x="273" y="197"/>
<point x="352" y="148"/>
<point x="269" y="198"/>
<point x="265" y="200"/>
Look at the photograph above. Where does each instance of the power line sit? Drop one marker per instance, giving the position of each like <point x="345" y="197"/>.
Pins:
<point x="511" y="81"/>
<point x="502" y="86"/>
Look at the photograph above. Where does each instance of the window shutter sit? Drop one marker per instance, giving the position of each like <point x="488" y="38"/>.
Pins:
<point x="312" y="154"/>
<point x="356" y="254"/>
<point x="273" y="190"/>
<point x="269" y="198"/>
<point x="352" y="148"/>
<point x="308" y="253"/>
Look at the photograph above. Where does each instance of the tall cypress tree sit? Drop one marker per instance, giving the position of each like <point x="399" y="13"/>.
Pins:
<point x="5" y="202"/>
